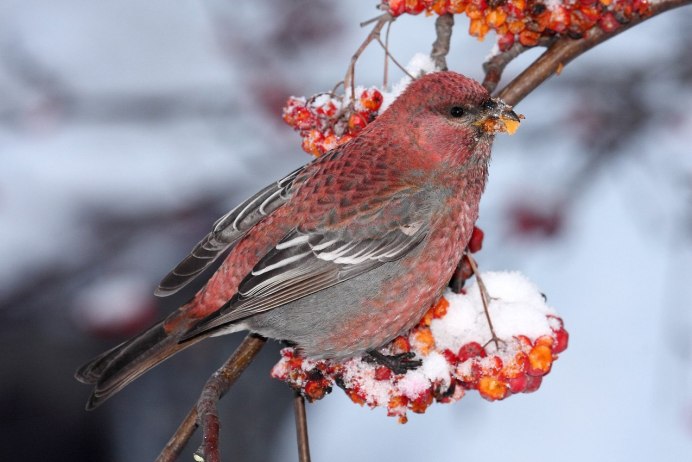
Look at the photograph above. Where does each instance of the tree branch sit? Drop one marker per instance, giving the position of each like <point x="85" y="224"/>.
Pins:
<point x="301" y="428"/>
<point x="444" y="24"/>
<point x="204" y="412"/>
<point x="565" y="49"/>
<point x="349" y="79"/>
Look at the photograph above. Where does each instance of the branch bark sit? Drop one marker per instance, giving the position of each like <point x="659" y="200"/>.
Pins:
<point x="204" y="411"/>
<point x="444" y="25"/>
<point x="565" y="49"/>
<point x="301" y="428"/>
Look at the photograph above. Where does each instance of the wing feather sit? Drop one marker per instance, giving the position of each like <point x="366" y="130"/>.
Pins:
<point x="225" y="232"/>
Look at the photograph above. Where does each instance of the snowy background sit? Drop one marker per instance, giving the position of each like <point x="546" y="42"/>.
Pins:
<point x="127" y="127"/>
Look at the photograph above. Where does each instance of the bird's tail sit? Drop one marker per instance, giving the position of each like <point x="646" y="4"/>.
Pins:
<point x="117" y="367"/>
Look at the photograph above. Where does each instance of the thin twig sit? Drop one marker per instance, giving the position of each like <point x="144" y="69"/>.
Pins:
<point x="389" y="55"/>
<point x="444" y="24"/>
<point x="485" y="299"/>
<point x="301" y="428"/>
<point x="217" y="386"/>
<point x="386" y="58"/>
<point x="566" y="49"/>
<point x="349" y="79"/>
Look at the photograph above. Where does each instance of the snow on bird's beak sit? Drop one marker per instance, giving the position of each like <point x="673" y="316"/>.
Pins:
<point x="498" y="117"/>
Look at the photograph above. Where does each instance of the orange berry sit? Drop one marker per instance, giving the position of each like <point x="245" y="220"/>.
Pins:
<point x="540" y="360"/>
<point x="356" y="122"/>
<point x="478" y="28"/>
<point x="492" y="389"/>
<point x="355" y="396"/>
<point x="424" y="340"/>
<point x="371" y="99"/>
<point x="457" y="6"/>
<point x="344" y="139"/>
<point x="473" y="12"/>
<point x="421" y="403"/>
<point x="516" y="26"/>
<point x="400" y="345"/>
<point x="517" y="366"/>
<point x="495" y="17"/>
<point x="529" y="38"/>
<point x="440" y="308"/>
<point x="314" y="390"/>
<point x="311" y="141"/>
<point x="546" y="340"/>
<point x="440" y="6"/>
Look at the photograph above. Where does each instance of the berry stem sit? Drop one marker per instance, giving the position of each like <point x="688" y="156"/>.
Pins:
<point x="485" y="298"/>
<point x="349" y="79"/>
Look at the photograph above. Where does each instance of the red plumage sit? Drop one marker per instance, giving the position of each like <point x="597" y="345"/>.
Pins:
<point x="347" y="252"/>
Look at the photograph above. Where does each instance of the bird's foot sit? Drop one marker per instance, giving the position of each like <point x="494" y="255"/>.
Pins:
<point x="399" y="364"/>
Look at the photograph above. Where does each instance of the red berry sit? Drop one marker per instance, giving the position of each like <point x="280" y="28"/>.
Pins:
<point x="397" y="7"/>
<point x="561" y="340"/>
<point x="608" y="23"/>
<point x="450" y="357"/>
<point x="471" y="350"/>
<point x="383" y="373"/>
<point x="371" y="99"/>
<point x="356" y="122"/>
<point x="476" y="242"/>
<point x="518" y="384"/>
<point x="505" y="41"/>
<point x="533" y="383"/>
<point x="414" y="6"/>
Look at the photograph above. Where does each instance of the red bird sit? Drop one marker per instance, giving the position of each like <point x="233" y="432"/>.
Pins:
<point x="345" y="253"/>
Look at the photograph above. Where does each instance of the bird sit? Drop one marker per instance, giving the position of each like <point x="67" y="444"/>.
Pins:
<point x="345" y="253"/>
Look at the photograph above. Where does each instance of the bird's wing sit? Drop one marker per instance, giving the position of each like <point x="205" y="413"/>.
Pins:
<point x="307" y="261"/>
<point x="226" y="231"/>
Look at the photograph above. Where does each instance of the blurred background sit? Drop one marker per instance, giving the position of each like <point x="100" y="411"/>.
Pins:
<point x="127" y="128"/>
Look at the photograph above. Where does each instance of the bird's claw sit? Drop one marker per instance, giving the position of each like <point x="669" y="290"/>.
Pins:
<point x="399" y="363"/>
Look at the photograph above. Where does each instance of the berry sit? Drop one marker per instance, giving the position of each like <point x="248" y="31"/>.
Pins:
<point x="383" y="373"/>
<point x="356" y="122"/>
<point x="540" y="360"/>
<point x="476" y="242"/>
<point x="492" y="389"/>
<point x="471" y="350"/>
<point x="371" y="99"/>
<point x="561" y="340"/>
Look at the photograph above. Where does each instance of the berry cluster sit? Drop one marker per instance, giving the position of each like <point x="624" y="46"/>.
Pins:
<point x="526" y="21"/>
<point x="324" y="121"/>
<point x="452" y="364"/>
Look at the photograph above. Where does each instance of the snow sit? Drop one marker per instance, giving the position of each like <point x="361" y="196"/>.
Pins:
<point x="516" y="308"/>
<point x="419" y="64"/>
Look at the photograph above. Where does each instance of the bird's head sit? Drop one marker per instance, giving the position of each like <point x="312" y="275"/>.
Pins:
<point x="452" y="118"/>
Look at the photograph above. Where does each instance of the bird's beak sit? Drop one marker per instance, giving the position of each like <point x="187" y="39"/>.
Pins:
<point x="498" y="117"/>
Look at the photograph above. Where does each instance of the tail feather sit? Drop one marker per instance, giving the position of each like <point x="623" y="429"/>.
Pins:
<point x="114" y="369"/>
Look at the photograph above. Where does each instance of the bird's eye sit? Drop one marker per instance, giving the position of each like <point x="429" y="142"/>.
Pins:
<point x="456" y="111"/>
